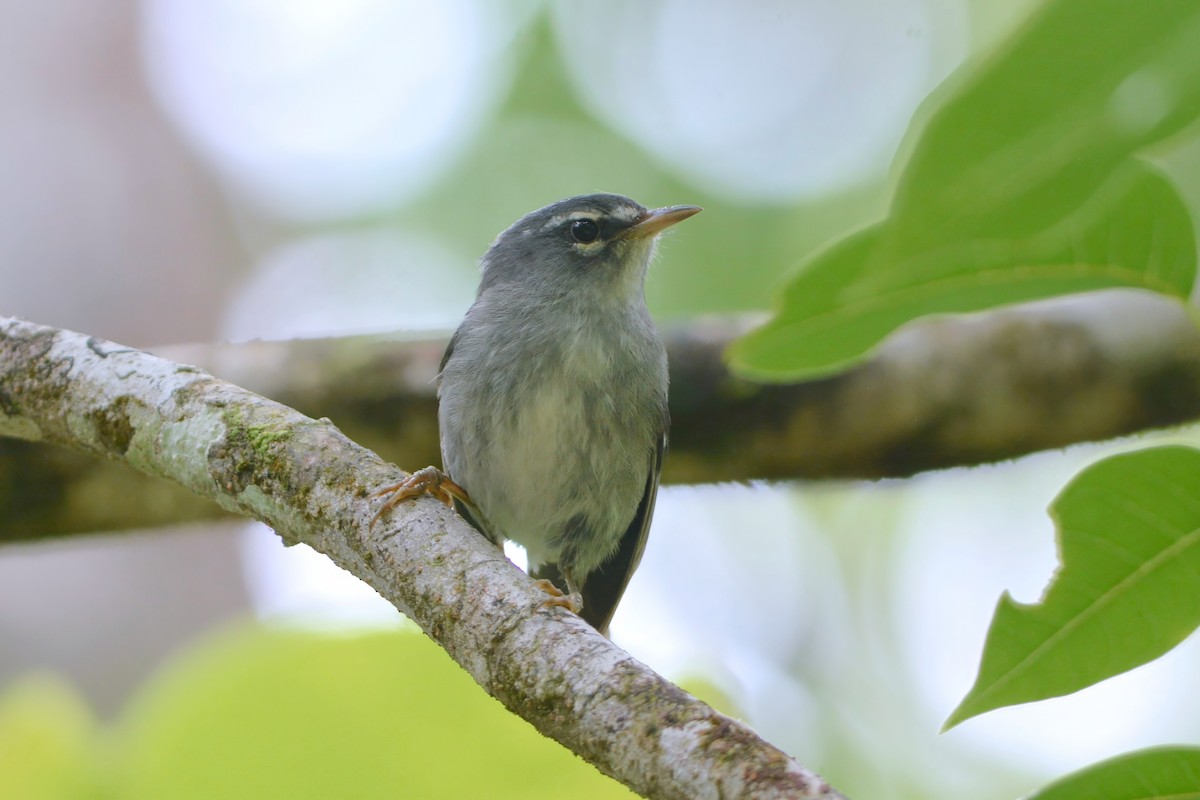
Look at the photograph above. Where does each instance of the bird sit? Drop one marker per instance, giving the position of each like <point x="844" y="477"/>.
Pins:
<point x="552" y="399"/>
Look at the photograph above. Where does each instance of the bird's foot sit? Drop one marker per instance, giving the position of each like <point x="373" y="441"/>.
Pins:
<point x="431" y="481"/>
<point x="572" y="602"/>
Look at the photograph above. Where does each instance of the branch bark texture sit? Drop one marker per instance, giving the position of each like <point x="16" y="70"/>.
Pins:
<point x="308" y="481"/>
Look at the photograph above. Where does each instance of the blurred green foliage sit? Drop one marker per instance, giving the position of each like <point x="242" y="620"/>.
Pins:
<point x="302" y="715"/>
<point x="1021" y="184"/>
<point x="49" y="749"/>
<point x="261" y="713"/>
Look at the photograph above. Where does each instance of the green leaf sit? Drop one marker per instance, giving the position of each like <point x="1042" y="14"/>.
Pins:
<point x="1161" y="773"/>
<point x="1020" y="185"/>
<point x="1038" y="128"/>
<point x="1127" y="592"/>
<point x="303" y="715"/>
<point x="1135" y="234"/>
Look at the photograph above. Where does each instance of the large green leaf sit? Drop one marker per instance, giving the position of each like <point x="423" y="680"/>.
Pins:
<point x="1020" y="185"/>
<point x="1134" y="234"/>
<point x="1161" y="773"/>
<point x="1036" y="130"/>
<point x="1127" y="592"/>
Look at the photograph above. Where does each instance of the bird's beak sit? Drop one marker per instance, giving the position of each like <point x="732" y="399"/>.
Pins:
<point x="658" y="219"/>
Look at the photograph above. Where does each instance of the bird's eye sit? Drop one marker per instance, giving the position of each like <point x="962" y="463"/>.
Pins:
<point x="585" y="231"/>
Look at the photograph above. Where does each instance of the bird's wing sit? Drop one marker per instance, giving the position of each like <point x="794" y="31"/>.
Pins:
<point x="603" y="587"/>
<point x="446" y="355"/>
<point x="466" y="512"/>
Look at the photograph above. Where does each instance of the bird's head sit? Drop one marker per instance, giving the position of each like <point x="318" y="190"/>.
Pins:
<point x="591" y="243"/>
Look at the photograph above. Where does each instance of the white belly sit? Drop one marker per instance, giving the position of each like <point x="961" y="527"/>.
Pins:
<point x="563" y="456"/>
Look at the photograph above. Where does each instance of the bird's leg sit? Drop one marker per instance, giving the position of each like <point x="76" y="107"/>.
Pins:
<point x="431" y="481"/>
<point x="572" y="601"/>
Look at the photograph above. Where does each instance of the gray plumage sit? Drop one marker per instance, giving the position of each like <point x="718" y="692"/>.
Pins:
<point x="553" y="394"/>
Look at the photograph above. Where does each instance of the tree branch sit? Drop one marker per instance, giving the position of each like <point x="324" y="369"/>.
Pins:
<point x="945" y="393"/>
<point x="309" y="482"/>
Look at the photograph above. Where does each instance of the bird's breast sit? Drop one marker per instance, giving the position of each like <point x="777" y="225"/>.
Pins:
<point x="544" y="435"/>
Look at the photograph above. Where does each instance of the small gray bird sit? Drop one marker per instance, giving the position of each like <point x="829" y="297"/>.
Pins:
<point x="553" y="398"/>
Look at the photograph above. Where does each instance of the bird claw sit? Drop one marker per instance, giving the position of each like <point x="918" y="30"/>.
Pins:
<point x="572" y="602"/>
<point x="430" y="480"/>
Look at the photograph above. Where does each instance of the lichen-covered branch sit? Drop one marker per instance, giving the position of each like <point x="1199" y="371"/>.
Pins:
<point x="309" y="482"/>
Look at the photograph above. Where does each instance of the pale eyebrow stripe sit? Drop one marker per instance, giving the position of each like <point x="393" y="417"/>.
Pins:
<point x="559" y="219"/>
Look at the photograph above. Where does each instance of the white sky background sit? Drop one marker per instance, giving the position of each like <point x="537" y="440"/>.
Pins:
<point x="313" y="112"/>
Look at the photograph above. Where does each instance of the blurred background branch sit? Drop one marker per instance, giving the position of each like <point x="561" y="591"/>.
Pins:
<point x="952" y="392"/>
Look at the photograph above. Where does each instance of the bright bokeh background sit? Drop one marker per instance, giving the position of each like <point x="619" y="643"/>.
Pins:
<point x="181" y="171"/>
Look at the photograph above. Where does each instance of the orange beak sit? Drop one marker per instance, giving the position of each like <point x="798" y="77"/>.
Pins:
<point x="658" y="219"/>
